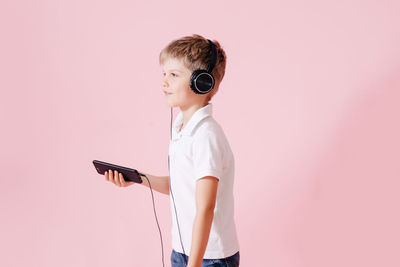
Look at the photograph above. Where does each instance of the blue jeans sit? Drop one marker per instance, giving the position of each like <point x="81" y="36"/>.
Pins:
<point x="177" y="260"/>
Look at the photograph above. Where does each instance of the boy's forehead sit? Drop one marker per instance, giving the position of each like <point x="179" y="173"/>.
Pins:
<point x="173" y="63"/>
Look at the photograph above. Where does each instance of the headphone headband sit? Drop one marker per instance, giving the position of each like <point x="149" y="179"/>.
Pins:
<point x="213" y="59"/>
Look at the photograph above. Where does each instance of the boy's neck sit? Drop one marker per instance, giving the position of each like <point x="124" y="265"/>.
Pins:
<point x="188" y="112"/>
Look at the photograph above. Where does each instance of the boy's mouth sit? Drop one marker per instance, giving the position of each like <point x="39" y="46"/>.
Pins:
<point x="167" y="93"/>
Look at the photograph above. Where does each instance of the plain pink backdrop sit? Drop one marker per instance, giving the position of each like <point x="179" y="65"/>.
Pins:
<point x="309" y="103"/>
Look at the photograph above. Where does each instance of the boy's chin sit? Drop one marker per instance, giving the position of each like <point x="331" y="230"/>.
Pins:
<point x="172" y="104"/>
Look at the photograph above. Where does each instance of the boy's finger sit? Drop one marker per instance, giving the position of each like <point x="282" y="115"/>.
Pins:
<point x="111" y="176"/>
<point x="108" y="176"/>
<point x="116" y="178"/>
<point x="121" y="179"/>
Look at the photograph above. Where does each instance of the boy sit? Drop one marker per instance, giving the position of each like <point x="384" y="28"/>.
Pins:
<point x="201" y="161"/>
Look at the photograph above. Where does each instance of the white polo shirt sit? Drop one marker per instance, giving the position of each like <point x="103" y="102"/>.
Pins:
<point x="202" y="149"/>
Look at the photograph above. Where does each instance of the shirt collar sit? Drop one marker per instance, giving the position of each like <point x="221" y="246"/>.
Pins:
<point x="199" y="114"/>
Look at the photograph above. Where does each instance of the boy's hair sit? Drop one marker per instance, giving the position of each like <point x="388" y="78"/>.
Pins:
<point x="195" y="51"/>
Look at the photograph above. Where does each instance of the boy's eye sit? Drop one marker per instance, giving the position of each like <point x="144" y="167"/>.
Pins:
<point x="173" y="74"/>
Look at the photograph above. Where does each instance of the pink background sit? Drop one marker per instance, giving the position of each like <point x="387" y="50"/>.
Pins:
<point x="309" y="103"/>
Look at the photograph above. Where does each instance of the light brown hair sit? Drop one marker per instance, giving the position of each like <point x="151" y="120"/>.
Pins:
<point x="195" y="51"/>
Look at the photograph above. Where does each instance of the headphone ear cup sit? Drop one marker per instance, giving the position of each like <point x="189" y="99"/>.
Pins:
<point x="192" y="81"/>
<point x="201" y="81"/>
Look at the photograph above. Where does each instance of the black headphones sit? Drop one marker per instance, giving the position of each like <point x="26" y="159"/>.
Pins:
<point x="202" y="81"/>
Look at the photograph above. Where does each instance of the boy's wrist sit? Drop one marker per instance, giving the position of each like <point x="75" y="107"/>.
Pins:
<point x="144" y="180"/>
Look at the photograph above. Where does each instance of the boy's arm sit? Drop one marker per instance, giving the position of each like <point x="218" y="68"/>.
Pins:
<point x="158" y="183"/>
<point x="206" y="194"/>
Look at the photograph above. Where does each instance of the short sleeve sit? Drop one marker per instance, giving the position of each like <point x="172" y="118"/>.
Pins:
<point x="208" y="155"/>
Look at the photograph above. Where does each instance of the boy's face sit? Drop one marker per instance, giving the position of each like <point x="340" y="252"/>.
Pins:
<point x="176" y="84"/>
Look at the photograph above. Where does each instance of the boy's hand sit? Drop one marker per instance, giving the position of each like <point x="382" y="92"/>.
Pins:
<point x="117" y="178"/>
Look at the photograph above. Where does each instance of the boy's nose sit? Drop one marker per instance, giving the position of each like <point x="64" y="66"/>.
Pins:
<point x="164" y="83"/>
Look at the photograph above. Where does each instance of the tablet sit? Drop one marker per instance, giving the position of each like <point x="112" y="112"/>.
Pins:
<point x="129" y="174"/>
